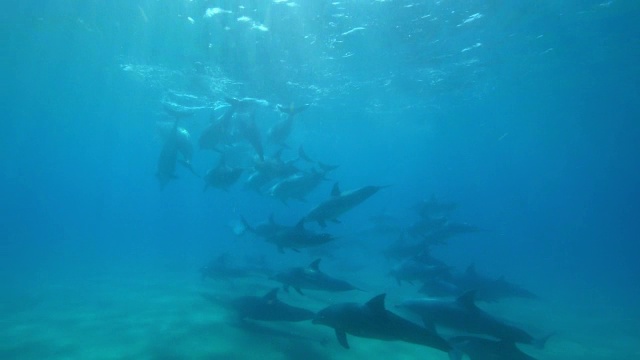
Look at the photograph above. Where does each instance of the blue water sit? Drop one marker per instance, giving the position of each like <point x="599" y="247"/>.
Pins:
<point x="524" y="113"/>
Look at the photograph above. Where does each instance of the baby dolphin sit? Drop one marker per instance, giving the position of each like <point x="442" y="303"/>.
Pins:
<point x="311" y="277"/>
<point x="339" y="203"/>
<point x="372" y="320"/>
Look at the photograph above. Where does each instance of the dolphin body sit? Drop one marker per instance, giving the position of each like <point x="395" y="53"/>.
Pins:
<point x="250" y="132"/>
<point x="182" y="142"/>
<point x="281" y="130"/>
<point x="267" y="308"/>
<point x="265" y="229"/>
<point x="463" y="314"/>
<point x="485" y="349"/>
<point x="339" y="203"/>
<point x="298" y="237"/>
<point x="296" y="186"/>
<point x="223" y="267"/>
<point x="421" y="267"/>
<point x="487" y="289"/>
<point x="217" y="131"/>
<point x="372" y="320"/>
<point x="312" y="278"/>
<point x="221" y="176"/>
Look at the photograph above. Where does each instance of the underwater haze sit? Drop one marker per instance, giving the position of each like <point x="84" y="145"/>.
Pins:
<point x="168" y="164"/>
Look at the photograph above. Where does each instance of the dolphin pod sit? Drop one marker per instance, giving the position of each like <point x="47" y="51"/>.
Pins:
<point x="259" y="155"/>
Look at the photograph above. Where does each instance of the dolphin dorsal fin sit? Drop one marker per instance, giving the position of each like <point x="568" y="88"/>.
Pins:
<point x="335" y="191"/>
<point x="376" y="304"/>
<point x="271" y="295"/>
<point x="468" y="299"/>
<point x="300" y="225"/>
<point x="315" y="265"/>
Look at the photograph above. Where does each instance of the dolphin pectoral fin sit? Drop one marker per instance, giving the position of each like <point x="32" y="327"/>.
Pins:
<point x="285" y="287"/>
<point x="299" y="291"/>
<point x="342" y="338"/>
<point x="322" y="223"/>
<point x="336" y="221"/>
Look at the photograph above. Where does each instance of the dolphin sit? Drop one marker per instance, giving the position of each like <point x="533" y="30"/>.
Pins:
<point x="183" y="143"/>
<point x="281" y="130"/>
<point x="296" y="186"/>
<point x="372" y="320"/>
<point x="489" y="289"/>
<point x="221" y="176"/>
<point x="463" y="314"/>
<point x="298" y="237"/>
<point x="217" y="131"/>
<point x="177" y="111"/>
<point x="265" y="229"/>
<point x="267" y="308"/>
<point x="339" y="203"/>
<point x="261" y="330"/>
<point x="246" y="104"/>
<point x="403" y="248"/>
<point x="311" y="277"/>
<point x="421" y="267"/>
<point x="249" y="130"/>
<point x="222" y="267"/>
<point x="485" y="349"/>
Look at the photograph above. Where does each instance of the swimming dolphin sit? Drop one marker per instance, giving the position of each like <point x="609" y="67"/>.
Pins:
<point x="296" y="186"/>
<point x="263" y="229"/>
<point x="312" y="278"/>
<point x="223" y="267"/>
<point x="177" y="111"/>
<point x="421" y="267"/>
<point x="463" y="314"/>
<point x="267" y="308"/>
<point x="281" y="130"/>
<point x="246" y="104"/>
<point x="217" y="131"/>
<point x="221" y="176"/>
<point x="339" y="203"/>
<point x="249" y="130"/>
<point x="487" y="289"/>
<point x="183" y="143"/>
<point x="485" y="349"/>
<point x="372" y="320"/>
<point x="298" y="237"/>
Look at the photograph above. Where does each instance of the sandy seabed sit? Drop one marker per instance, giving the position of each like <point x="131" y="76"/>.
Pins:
<point x="143" y="316"/>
